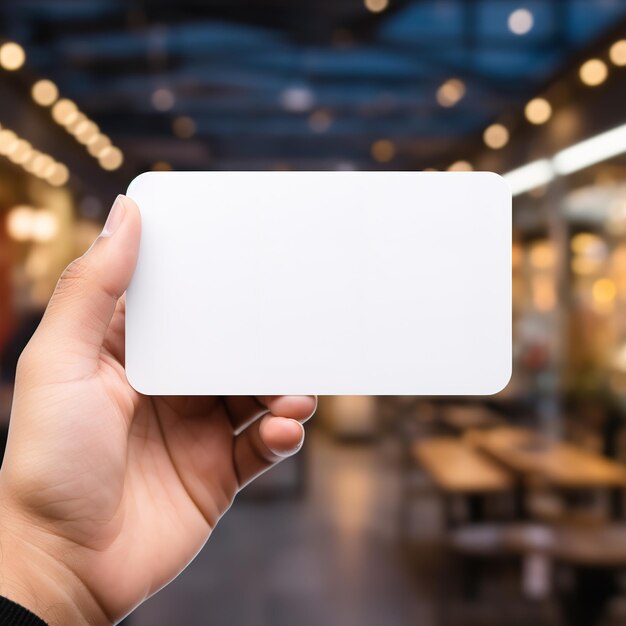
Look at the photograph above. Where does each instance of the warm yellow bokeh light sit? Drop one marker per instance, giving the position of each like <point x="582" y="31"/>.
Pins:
<point x="19" y="151"/>
<point x="86" y="131"/>
<point x="376" y="6"/>
<point x="450" y="92"/>
<point x="19" y="223"/>
<point x="383" y="150"/>
<point x="7" y="139"/>
<point x="96" y="145"/>
<point x="12" y="56"/>
<point x="63" y="110"/>
<point x="496" y="136"/>
<point x="44" y="92"/>
<point x="593" y="72"/>
<point x="111" y="158"/>
<point x="538" y="111"/>
<point x="58" y="175"/>
<point x="461" y="166"/>
<point x="45" y="226"/>
<point x="617" y="53"/>
<point x="586" y="243"/>
<point x="603" y="291"/>
<point x="542" y="255"/>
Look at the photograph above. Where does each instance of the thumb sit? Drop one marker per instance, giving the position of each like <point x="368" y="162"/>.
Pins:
<point x="84" y="300"/>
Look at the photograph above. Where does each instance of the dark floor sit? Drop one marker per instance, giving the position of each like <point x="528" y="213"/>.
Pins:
<point x="329" y="558"/>
<point x="332" y="558"/>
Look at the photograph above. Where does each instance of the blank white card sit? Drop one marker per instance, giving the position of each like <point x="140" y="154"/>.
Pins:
<point x="321" y="283"/>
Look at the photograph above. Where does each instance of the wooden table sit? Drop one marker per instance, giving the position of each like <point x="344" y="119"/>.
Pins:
<point x="560" y="464"/>
<point x="555" y="463"/>
<point x="465" y="417"/>
<point x="457" y="469"/>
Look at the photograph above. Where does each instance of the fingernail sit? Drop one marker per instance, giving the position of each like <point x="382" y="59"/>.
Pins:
<point x="296" y="448"/>
<point x="116" y="215"/>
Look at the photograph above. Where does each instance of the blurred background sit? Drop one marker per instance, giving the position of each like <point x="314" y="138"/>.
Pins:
<point x="429" y="511"/>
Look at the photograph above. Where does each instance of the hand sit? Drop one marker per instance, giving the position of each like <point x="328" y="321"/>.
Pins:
<point x="106" y="494"/>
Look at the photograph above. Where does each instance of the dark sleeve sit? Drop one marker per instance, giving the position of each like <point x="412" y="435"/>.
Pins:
<point x="12" y="614"/>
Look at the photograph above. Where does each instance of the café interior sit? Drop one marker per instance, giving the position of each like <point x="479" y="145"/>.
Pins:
<point x="400" y="510"/>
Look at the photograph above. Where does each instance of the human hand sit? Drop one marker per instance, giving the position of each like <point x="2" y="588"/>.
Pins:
<point x="106" y="494"/>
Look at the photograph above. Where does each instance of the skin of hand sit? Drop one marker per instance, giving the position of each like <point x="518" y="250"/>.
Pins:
<point x="105" y="494"/>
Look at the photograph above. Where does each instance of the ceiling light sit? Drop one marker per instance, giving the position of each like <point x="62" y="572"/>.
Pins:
<point x="383" y="150"/>
<point x="59" y="175"/>
<point x="111" y="158"/>
<point x="45" y="226"/>
<point x="41" y="164"/>
<point x="593" y="72"/>
<point x="44" y="92"/>
<point x="530" y="176"/>
<point x="86" y="131"/>
<point x="19" y="151"/>
<point x="591" y="151"/>
<point x="521" y="21"/>
<point x="297" y="99"/>
<point x="97" y="144"/>
<point x="62" y="110"/>
<point x="376" y="6"/>
<point x="450" y="92"/>
<point x="12" y="56"/>
<point x="496" y="136"/>
<point x="538" y="111"/>
<point x="7" y="139"/>
<point x="19" y="223"/>
<point x="74" y="120"/>
<point x="617" y="53"/>
<point x="460" y="166"/>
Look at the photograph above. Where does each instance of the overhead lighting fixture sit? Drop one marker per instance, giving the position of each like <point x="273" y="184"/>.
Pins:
<point x="591" y="151"/>
<point x="19" y="223"/>
<point x="297" y="99"/>
<point x="521" y="21"/>
<point x="12" y="56"/>
<point x="45" y="226"/>
<point x="111" y="158"/>
<point x="538" y="111"/>
<point x="460" y="166"/>
<point x="376" y="6"/>
<point x="617" y="53"/>
<point x="450" y="92"/>
<point x="63" y="110"/>
<point x="97" y="144"/>
<point x="530" y="176"/>
<point x="593" y="72"/>
<point x="44" y="92"/>
<point x="22" y="153"/>
<point x="86" y="131"/>
<point x="383" y="150"/>
<point x="496" y="136"/>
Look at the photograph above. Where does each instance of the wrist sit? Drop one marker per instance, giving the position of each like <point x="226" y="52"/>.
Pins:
<point x="33" y="574"/>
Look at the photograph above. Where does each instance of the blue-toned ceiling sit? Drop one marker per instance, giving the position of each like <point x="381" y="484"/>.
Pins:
<point x="251" y="74"/>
